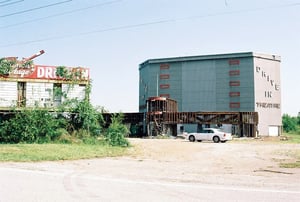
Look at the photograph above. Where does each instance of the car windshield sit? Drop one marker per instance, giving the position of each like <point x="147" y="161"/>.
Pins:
<point x="213" y="130"/>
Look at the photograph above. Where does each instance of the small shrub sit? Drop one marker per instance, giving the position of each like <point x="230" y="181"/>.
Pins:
<point x="115" y="134"/>
<point x="86" y="117"/>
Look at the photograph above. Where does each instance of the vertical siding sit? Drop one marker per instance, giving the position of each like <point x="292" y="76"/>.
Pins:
<point x="143" y="88"/>
<point x="222" y="85"/>
<point x="8" y="94"/>
<point x="175" y="82"/>
<point x="152" y="85"/>
<point x="247" y="84"/>
<point x="199" y="86"/>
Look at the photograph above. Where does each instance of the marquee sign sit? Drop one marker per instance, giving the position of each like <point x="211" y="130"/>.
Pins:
<point x="47" y="72"/>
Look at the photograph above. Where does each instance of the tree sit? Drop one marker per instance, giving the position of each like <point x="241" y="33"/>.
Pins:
<point x="289" y="123"/>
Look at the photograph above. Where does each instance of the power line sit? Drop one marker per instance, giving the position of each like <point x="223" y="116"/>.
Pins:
<point x="4" y="1"/>
<point x="60" y="14"/>
<point x="33" y="9"/>
<point x="2" y="4"/>
<point x="87" y="33"/>
<point x="145" y="24"/>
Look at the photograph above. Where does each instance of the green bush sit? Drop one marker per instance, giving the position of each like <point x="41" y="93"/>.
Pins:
<point x="77" y="122"/>
<point x="85" y="117"/>
<point x="30" y="126"/>
<point x="115" y="134"/>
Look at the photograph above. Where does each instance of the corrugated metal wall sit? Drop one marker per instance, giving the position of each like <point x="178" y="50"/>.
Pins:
<point x="199" y="86"/>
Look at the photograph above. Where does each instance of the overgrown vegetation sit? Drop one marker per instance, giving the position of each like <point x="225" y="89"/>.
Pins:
<point x="291" y="128"/>
<point x="74" y="122"/>
<point x="68" y="74"/>
<point x="291" y="124"/>
<point x="116" y="131"/>
<point x="30" y="126"/>
<point x="6" y="66"/>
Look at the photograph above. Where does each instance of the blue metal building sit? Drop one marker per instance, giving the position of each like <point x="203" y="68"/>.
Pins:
<point x="224" y="82"/>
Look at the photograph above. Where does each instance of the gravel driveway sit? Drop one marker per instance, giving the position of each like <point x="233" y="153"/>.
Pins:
<point x="253" y="162"/>
<point x="162" y="170"/>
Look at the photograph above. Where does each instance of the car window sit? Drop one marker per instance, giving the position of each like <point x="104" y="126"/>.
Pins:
<point x="208" y="131"/>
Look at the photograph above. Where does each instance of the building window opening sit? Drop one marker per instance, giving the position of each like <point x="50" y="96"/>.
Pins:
<point x="57" y="93"/>
<point x="21" y="94"/>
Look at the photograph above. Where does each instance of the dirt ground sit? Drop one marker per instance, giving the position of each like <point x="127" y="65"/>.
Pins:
<point x="164" y="170"/>
<point x="238" y="155"/>
<point x="235" y="162"/>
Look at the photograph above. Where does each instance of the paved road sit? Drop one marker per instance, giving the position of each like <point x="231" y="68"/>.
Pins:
<point x="104" y="180"/>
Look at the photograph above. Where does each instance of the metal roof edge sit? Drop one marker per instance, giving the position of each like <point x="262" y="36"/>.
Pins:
<point x="267" y="56"/>
<point x="210" y="57"/>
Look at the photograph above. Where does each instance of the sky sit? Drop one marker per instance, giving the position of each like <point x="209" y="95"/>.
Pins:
<point x="112" y="37"/>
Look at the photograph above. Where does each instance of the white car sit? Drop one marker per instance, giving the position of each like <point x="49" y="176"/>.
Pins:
<point x="213" y="134"/>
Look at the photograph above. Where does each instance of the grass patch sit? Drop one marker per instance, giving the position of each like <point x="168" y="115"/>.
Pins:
<point x="293" y="160"/>
<point x="292" y="137"/>
<point x="54" y="152"/>
<point x="290" y="165"/>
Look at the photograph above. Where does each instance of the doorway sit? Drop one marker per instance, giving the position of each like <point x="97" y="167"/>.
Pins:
<point x="21" y="94"/>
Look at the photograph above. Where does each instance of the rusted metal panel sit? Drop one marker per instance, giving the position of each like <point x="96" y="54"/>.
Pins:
<point x="161" y="104"/>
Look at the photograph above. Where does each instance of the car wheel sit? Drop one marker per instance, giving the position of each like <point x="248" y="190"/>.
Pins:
<point x="216" y="139"/>
<point x="192" y="138"/>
